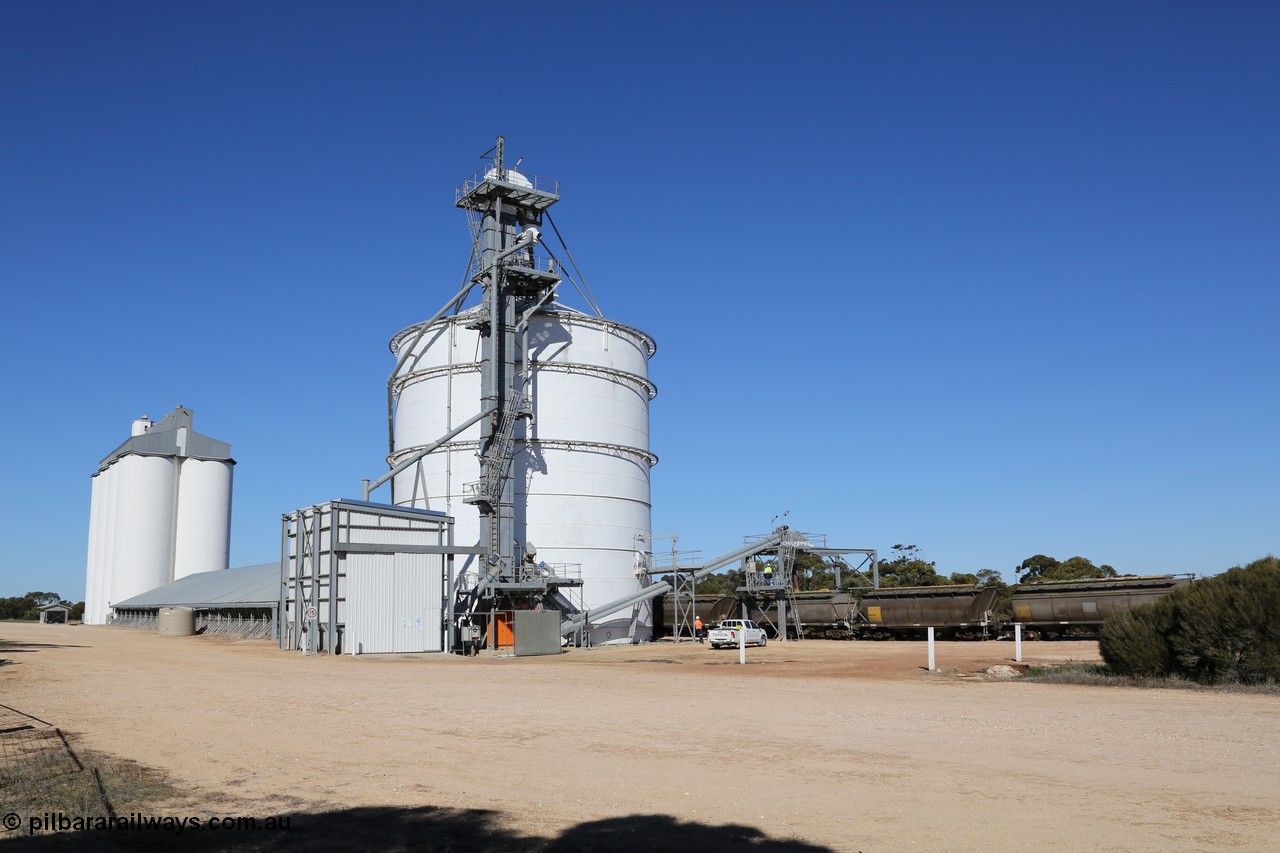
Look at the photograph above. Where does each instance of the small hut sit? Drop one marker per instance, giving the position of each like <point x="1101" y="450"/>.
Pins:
<point x="51" y="614"/>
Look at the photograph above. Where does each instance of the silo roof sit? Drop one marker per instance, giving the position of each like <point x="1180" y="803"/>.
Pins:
<point x="172" y="436"/>
<point x="242" y="587"/>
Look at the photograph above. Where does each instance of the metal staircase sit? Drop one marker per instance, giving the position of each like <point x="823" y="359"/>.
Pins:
<point x="498" y="453"/>
<point x="774" y="589"/>
<point x="791" y="543"/>
<point x="518" y="406"/>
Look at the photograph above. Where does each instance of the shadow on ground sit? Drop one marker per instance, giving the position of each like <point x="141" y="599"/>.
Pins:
<point x="427" y="828"/>
<point x="7" y="646"/>
<point x="56" y="797"/>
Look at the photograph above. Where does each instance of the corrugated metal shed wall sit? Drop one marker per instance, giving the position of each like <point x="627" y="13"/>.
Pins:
<point x="419" y="598"/>
<point x="369" y="593"/>
<point x="394" y="603"/>
<point x="386" y="602"/>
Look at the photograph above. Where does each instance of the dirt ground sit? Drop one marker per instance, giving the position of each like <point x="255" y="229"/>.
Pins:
<point x="815" y="745"/>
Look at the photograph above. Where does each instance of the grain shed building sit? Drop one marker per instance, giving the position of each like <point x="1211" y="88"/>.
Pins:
<point x="241" y="602"/>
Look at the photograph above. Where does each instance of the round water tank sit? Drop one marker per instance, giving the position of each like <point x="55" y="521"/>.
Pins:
<point x="202" y="537"/>
<point x="176" y="622"/>
<point x="581" y="464"/>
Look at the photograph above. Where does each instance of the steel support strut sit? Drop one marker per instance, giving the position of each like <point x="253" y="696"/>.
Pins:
<point x="578" y="621"/>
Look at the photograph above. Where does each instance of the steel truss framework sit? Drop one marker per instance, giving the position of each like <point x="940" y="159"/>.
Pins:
<point x="774" y="592"/>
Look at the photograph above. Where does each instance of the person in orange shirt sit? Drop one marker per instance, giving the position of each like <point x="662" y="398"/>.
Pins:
<point x="697" y="628"/>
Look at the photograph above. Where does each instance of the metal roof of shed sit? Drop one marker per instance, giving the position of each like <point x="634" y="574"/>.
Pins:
<point x="246" y="586"/>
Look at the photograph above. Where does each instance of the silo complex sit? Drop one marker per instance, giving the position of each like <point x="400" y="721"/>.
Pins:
<point x="581" y="462"/>
<point x="160" y="509"/>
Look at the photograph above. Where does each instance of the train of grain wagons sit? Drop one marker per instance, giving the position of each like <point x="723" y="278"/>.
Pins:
<point x="1058" y="610"/>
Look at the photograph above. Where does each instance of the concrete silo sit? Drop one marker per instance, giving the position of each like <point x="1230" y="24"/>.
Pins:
<point x="202" y="531"/>
<point x="160" y="509"/>
<point x="142" y="551"/>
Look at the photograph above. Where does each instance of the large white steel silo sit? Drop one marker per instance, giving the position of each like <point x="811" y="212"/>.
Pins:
<point x="582" y="461"/>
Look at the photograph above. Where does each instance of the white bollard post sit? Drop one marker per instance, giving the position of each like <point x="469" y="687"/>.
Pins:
<point x="742" y="646"/>
<point x="931" y="658"/>
<point x="1017" y="642"/>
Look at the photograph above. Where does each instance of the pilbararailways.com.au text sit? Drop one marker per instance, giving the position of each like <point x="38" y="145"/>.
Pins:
<point x="63" y="822"/>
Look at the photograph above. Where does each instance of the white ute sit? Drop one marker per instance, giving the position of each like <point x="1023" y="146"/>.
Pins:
<point x="726" y="634"/>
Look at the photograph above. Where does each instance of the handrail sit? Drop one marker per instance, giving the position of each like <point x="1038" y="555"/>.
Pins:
<point x="576" y="622"/>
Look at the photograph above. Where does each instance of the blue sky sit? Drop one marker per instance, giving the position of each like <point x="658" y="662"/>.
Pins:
<point x="994" y="279"/>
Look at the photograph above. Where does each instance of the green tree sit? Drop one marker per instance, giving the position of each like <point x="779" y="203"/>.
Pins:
<point x="988" y="577"/>
<point x="1219" y="630"/>
<point x="964" y="578"/>
<point x="1039" y="566"/>
<point x="1134" y="642"/>
<point x="813" y="572"/>
<point x="909" y="568"/>
<point x="1227" y="628"/>
<point x="726" y="583"/>
<point x="27" y="606"/>
<point x="1079" y="568"/>
<point x="1042" y="569"/>
<point x="711" y="585"/>
<point x="1004" y="601"/>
